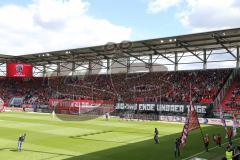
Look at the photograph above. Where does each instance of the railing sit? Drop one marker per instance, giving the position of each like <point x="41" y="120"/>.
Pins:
<point x="225" y="88"/>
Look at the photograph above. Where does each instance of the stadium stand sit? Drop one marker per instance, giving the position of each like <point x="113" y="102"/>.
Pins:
<point x="148" y="87"/>
<point x="231" y="100"/>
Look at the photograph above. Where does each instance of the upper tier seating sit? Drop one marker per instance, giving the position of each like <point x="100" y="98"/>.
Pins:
<point x="150" y="87"/>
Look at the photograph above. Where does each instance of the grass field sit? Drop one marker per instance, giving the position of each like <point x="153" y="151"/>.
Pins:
<point x="97" y="139"/>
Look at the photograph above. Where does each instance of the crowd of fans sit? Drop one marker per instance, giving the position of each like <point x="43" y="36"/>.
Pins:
<point x="150" y="87"/>
<point x="31" y="91"/>
<point x="234" y="99"/>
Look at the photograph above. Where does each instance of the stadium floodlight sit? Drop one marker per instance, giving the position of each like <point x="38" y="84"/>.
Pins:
<point x="125" y="45"/>
<point x="67" y="52"/>
<point x="110" y="46"/>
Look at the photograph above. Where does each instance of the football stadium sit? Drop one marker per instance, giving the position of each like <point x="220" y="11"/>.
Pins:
<point x="93" y="103"/>
<point x="167" y="98"/>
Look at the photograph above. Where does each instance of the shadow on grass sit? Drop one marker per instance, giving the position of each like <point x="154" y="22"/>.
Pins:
<point x="85" y="136"/>
<point x="36" y="151"/>
<point x="147" y="150"/>
<point x="89" y="134"/>
<point x="13" y="150"/>
<point x="81" y="117"/>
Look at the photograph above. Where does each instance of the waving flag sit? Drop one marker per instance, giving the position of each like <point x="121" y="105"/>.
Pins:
<point x="191" y="123"/>
<point x="235" y="125"/>
<point x="222" y="117"/>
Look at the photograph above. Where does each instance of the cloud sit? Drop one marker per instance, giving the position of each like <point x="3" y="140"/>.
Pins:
<point x="205" y="15"/>
<point x="201" y="15"/>
<point x="47" y="25"/>
<point x="156" y="6"/>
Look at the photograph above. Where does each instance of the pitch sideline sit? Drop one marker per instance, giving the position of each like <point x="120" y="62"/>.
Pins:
<point x="205" y="151"/>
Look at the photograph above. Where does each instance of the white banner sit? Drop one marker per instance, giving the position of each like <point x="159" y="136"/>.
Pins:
<point x="210" y="121"/>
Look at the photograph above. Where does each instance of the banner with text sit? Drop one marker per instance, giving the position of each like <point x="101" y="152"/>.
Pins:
<point x="156" y="107"/>
<point x="210" y="121"/>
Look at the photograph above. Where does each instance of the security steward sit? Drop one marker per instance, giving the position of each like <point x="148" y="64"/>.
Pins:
<point x="229" y="153"/>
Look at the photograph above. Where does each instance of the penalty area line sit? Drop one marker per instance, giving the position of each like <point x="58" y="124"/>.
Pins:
<point x="199" y="153"/>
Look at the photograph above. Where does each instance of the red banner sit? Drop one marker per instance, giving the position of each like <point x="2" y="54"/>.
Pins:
<point x="19" y="70"/>
<point x="76" y="105"/>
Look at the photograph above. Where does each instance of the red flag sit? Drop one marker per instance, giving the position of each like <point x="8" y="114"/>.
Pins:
<point x="193" y="119"/>
<point x="191" y="123"/>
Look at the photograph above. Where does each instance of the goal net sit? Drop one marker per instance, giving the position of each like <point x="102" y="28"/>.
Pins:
<point x="80" y="109"/>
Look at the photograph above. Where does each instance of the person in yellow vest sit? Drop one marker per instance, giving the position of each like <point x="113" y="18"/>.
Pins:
<point x="229" y="153"/>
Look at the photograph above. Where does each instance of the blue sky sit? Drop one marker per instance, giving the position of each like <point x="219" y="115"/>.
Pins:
<point x="130" y="13"/>
<point x="30" y="26"/>
<point x="145" y="25"/>
<point x="135" y="15"/>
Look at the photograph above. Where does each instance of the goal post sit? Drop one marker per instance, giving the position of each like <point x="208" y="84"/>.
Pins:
<point x="81" y="107"/>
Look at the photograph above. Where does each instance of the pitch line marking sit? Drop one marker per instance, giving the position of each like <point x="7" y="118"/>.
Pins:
<point x="205" y="151"/>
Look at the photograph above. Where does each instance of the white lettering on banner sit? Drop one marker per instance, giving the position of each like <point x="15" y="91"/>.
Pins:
<point x="120" y="106"/>
<point x="172" y="108"/>
<point x="146" y="107"/>
<point x="172" y="118"/>
<point x="199" y="108"/>
<point x="123" y="106"/>
<point x="132" y="106"/>
<point x="167" y="108"/>
<point x="211" y="121"/>
<point x="159" y="107"/>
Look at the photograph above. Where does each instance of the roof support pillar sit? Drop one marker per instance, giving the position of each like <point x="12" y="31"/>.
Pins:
<point x="44" y="71"/>
<point x="73" y="68"/>
<point x="204" y="59"/>
<point x="90" y="67"/>
<point x="237" y="65"/>
<point x="108" y="66"/>
<point x="128" y="64"/>
<point x="150" y="63"/>
<point x="58" y="69"/>
<point x="176" y="62"/>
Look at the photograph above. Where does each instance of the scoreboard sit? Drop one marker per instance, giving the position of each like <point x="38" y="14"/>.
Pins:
<point x="19" y="70"/>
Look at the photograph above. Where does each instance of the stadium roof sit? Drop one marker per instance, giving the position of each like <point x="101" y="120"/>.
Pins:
<point x="192" y="43"/>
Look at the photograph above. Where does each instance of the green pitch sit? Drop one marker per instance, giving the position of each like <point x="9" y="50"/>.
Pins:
<point x="52" y="139"/>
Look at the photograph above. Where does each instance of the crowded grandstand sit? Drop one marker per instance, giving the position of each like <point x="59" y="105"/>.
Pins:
<point x="110" y="72"/>
<point x="158" y="79"/>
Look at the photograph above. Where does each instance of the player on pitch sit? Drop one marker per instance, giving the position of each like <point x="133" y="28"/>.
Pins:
<point x="21" y="140"/>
